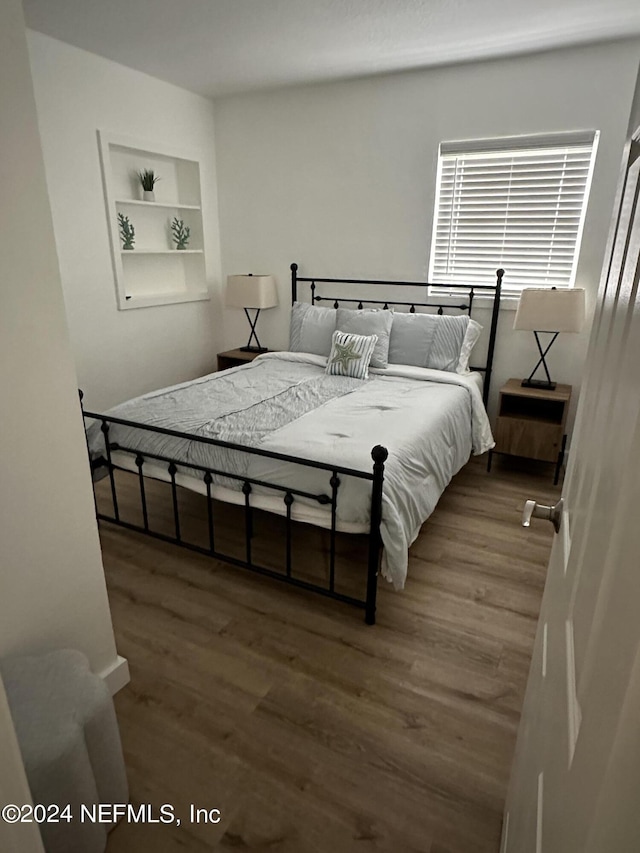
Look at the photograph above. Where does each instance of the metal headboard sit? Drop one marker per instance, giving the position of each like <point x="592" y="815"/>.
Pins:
<point x="469" y="291"/>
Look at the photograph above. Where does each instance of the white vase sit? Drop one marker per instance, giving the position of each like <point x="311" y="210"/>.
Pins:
<point x="148" y="195"/>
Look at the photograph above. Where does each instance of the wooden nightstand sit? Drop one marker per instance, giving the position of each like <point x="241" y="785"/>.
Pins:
<point x="531" y="423"/>
<point x="235" y="357"/>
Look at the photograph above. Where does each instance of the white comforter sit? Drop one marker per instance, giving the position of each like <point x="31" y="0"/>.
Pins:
<point x="429" y="421"/>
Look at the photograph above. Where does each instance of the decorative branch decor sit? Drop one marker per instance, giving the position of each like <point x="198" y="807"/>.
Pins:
<point x="181" y="233"/>
<point x="127" y="232"/>
<point x="148" y="179"/>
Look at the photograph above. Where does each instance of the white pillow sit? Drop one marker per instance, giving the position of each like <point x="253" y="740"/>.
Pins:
<point x="311" y="328"/>
<point x="368" y="321"/>
<point x="351" y="354"/>
<point x="474" y="330"/>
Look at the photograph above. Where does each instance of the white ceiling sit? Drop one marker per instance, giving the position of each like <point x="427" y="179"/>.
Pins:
<point x="219" y="47"/>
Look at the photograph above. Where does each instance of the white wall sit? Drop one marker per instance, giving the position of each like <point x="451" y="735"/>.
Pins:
<point x="52" y="587"/>
<point x="14" y="788"/>
<point x="341" y="177"/>
<point x="119" y="354"/>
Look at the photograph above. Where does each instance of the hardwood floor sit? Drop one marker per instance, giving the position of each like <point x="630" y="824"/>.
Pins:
<point x="308" y="730"/>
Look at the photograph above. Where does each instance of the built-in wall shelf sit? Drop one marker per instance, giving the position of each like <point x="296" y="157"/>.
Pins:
<point x="162" y="274"/>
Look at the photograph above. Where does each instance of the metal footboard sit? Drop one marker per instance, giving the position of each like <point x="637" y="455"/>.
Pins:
<point x="247" y="484"/>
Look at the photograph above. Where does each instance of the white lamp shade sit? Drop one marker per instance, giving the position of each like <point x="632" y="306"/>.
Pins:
<point x="551" y="310"/>
<point x="251" y="291"/>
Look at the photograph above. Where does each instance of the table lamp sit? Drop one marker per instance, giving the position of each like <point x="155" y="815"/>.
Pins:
<point x="549" y="311"/>
<point x="252" y="292"/>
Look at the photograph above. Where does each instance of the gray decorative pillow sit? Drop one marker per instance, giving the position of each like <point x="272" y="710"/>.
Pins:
<point x="368" y="321"/>
<point x="411" y="339"/>
<point x="311" y="328"/>
<point x="350" y="355"/>
<point x="427" y="340"/>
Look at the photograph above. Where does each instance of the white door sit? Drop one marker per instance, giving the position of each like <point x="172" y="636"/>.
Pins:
<point x="575" y="784"/>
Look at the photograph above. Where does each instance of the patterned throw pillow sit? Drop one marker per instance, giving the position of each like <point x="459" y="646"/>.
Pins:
<point x="350" y="355"/>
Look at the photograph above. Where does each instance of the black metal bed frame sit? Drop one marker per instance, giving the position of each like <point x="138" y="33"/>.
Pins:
<point x="329" y="498"/>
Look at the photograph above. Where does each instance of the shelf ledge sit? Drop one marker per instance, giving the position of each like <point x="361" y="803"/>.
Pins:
<point x="170" y="205"/>
<point x="130" y="252"/>
<point x="152" y="299"/>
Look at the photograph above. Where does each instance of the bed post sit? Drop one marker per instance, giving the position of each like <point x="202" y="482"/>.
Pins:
<point x="379" y="455"/>
<point x="84" y="427"/>
<point x="294" y="282"/>
<point x="86" y="438"/>
<point x="492" y="335"/>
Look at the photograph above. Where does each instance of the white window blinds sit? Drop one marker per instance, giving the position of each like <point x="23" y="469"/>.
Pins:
<point x="512" y="203"/>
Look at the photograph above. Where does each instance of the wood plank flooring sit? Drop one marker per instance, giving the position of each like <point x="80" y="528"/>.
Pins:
<point x="308" y="730"/>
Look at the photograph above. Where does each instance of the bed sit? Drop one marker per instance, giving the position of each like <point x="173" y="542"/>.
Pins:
<point x="281" y="435"/>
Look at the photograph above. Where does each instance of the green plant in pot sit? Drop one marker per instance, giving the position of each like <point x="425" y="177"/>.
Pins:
<point x="181" y="233"/>
<point x="127" y="231"/>
<point x="148" y="179"/>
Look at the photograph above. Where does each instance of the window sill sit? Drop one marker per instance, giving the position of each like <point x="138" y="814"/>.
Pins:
<point x="507" y="303"/>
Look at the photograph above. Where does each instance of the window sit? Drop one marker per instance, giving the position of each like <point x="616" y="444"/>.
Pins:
<point x="517" y="203"/>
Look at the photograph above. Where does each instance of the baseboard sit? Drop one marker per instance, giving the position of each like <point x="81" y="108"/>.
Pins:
<point x="116" y="676"/>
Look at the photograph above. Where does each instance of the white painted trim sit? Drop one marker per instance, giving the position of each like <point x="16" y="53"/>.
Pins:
<point x="508" y="301"/>
<point x="131" y="253"/>
<point x="539" y="813"/>
<point x="574" y="714"/>
<point x="116" y="675"/>
<point x="544" y="650"/>
<point x="165" y="205"/>
<point x="565" y="530"/>
<point x="146" y="146"/>
<point x="521" y="142"/>
<point x="505" y="835"/>
<point x="148" y="301"/>
<point x="105" y="168"/>
<point x="585" y="205"/>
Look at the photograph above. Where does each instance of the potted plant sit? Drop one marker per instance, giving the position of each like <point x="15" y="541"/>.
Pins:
<point x="148" y="179"/>
<point x="181" y="233"/>
<point x="127" y="232"/>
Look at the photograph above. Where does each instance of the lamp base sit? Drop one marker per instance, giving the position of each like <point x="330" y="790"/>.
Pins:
<point x="253" y="349"/>
<point x="542" y="384"/>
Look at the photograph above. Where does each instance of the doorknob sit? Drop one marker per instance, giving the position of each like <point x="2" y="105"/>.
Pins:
<point x="551" y="513"/>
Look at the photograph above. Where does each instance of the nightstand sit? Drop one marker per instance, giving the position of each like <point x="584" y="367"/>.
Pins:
<point x="531" y="423"/>
<point x="235" y="357"/>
